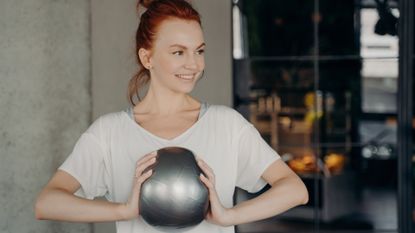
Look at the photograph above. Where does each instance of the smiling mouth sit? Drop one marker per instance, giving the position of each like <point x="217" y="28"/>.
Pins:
<point x="187" y="77"/>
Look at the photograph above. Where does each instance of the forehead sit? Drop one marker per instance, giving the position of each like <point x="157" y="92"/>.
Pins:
<point x="176" y="31"/>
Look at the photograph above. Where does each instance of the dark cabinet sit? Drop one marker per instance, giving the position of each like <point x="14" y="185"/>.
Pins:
<point x="314" y="77"/>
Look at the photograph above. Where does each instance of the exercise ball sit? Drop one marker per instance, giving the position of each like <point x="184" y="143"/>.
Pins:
<point x="174" y="198"/>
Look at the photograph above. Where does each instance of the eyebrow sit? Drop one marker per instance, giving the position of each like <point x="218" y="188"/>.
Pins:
<point x="184" y="47"/>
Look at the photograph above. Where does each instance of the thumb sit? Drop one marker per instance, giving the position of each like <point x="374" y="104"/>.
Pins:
<point x="213" y="195"/>
<point x="138" y="182"/>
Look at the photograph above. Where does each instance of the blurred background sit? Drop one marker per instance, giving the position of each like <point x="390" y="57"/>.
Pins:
<point x="328" y="83"/>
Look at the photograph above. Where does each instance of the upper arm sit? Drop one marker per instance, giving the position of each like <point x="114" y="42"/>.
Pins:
<point x="276" y="171"/>
<point x="63" y="181"/>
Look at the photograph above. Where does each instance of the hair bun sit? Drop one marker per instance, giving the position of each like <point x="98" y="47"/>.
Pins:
<point x="145" y="3"/>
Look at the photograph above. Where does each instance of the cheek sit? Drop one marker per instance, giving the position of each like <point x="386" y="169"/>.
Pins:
<point x="201" y="63"/>
<point x="169" y="65"/>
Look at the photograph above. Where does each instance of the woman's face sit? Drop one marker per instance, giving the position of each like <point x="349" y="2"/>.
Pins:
<point x="177" y="58"/>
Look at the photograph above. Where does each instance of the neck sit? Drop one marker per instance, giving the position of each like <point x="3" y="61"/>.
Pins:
<point x="166" y="103"/>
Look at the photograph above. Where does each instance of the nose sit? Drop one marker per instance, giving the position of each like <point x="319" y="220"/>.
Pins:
<point x="191" y="62"/>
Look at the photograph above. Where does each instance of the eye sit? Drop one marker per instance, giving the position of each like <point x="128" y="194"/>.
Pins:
<point x="200" y="52"/>
<point x="179" y="53"/>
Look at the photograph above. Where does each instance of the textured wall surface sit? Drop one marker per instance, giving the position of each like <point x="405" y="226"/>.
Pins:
<point x="45" y="102"/>
<point x="216" y="85"/>
<point x="113" y="53"/>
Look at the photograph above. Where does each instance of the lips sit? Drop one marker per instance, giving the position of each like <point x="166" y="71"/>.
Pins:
<point x="187" y="77"/>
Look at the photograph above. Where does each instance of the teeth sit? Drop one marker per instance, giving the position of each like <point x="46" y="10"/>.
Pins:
<point x="185" y="76"/>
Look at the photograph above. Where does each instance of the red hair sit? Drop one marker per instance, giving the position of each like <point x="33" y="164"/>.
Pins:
<point x="157" y="12"/>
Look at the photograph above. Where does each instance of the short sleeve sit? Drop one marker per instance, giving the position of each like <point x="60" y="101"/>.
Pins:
<point x="254" y="157"/>
<point x="86" y="164"/>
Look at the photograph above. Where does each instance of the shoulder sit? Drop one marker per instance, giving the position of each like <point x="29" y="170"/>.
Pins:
<point x="224" y="110"/>
<point x="228" y="115"/>
<point x="105" y="123"/>
<point x="110" y="118"/>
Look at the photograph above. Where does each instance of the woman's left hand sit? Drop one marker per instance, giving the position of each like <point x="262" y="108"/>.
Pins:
<point x="217" y="213"/>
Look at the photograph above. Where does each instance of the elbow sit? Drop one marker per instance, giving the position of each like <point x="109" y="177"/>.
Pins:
<point x="304" y="199"/>
<point x="39" y="208"/>
<point x="304" y="195"/>
<point x="299" y="192"/>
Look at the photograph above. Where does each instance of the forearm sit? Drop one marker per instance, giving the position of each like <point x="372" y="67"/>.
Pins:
<point x="55" y="204"/>
<point x="283" y="195"/>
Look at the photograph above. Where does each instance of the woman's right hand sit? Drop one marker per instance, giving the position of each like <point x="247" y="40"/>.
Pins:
<point x="131" y="208"/>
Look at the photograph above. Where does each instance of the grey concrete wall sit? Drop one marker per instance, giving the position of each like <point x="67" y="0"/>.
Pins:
<point x="113" y="53"/>
<point x="216" y="86"/>
<point x="45" y="102"/>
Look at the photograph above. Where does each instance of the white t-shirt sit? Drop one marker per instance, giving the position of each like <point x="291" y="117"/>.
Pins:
<point x="103" y="160"/>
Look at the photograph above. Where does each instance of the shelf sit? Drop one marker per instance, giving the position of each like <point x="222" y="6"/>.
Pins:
<point x="311" y="58"/>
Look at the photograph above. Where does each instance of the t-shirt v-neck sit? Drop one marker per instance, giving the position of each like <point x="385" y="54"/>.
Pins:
<point x="203" y="109"/>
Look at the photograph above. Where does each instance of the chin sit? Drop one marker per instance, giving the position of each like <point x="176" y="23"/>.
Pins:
<point x="184" y="89"/>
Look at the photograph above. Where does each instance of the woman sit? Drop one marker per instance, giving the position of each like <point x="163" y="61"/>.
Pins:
<point x="110" y="157"/>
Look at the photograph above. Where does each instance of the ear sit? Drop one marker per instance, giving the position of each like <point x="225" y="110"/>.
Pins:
<point x="145" y="57"/>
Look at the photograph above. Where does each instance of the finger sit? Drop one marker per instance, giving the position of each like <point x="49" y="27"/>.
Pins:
<point x="207" y="182"/>
<point x="143" y="166"/>
<point x="138" y="182"/>
<point x="207" y="170"/>
<point x="146" y="157"/>
<point x="205" y="165"/>
<point x="213" y="195"/>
